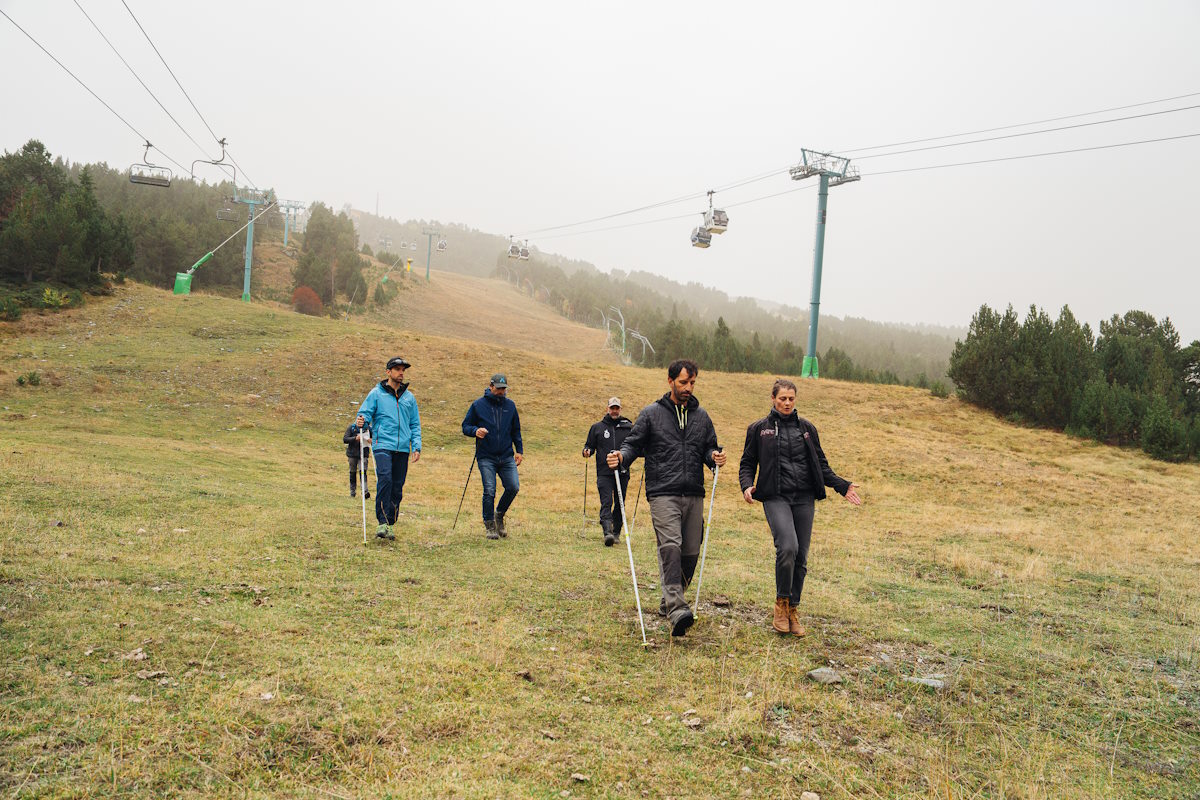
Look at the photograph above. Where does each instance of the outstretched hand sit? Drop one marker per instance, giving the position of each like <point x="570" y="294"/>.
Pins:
<point x="852" y="496"/>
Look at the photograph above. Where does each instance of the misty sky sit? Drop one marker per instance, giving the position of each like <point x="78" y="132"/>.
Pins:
<point x="520" y="116"/>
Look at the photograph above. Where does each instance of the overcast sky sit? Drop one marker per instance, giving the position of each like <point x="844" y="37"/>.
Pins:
<point x="515" y="117"/>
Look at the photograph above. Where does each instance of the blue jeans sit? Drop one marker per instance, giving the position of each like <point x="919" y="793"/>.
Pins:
<point x="392" y="469"/>
<point x="506" y="467"/>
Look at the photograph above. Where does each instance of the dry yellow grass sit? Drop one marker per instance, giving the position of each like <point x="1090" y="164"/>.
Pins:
<point x="192" y="449"/>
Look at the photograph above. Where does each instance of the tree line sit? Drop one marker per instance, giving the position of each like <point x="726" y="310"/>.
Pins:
<point x="677" y="330"/>
<point x="1133" y="384"/>
<point x="54" y="233"/>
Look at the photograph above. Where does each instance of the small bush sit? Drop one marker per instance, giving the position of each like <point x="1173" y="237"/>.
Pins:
<point x="53" y="298"/>
<point x="29" y="379"/>
<point x="938" y="389"/>
<point x="10" y="309"/>
<point x="306" y="301"/>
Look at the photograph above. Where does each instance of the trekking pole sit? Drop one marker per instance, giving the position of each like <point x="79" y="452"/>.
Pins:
<point x="362" y="473"/>
<point x="470" y="469"/>
<point x="636" y="595"/>
<point x="707" y="525"/>
<point x="585" y="519"/>
<point x="637" y="497"/>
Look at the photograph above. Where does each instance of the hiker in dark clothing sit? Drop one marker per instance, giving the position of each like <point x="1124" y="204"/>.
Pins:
<point x="352" y="439"/>
<point x="604" y="437"/>
<point x="677" y="439"/>
<point x="496" y="426"/>
<point x="792" y="475"/>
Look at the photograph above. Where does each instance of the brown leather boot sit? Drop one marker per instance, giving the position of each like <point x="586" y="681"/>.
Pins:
<point x="794" y="626"/>
<point x="780" y="622"/>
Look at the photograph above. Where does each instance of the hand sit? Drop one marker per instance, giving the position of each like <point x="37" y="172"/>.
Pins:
<point x="613" y="460"/>
<point x="358" y="437"/>
<point x="481" y="432"/>
<point x="360" y="420"/>
<point x="587" y="453"/>
<point x="749" y="495"/>
<point x="519" y="458"/>
<point x="416" y="456"/>
<point x="852" y="496"/>
<point x="718" y="458"/>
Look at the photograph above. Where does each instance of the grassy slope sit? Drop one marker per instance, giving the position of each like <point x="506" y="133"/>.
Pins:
<point x="191" y="447"/>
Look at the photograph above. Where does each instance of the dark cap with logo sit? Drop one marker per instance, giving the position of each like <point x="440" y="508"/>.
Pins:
<point x="397" y="361"/>
<point x="499" y="381"/>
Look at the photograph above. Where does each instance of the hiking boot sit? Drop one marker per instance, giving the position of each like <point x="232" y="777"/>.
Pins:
<point x="794" y="626"/>
<point x="381" y="532"/>
<point x="391" y="537"/>
<point x="352" y="491"/>
<point x="662" y="608"/>
<point x="780" y="622"/>
<point x="683" y="620"/>
<point x="366" y="494"/>
<point x="489" y="525"/>
<point x="609" y="539"/>
<point x="500" y="529"/>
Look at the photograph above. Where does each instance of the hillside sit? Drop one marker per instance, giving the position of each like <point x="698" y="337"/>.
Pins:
<point x="187" y="608"/>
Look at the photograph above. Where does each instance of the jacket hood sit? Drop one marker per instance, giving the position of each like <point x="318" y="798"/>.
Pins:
<point x="383" y="385"/>
<point x="493" y="398"/>
<point x="607" y="420"/>
<point x="691" y="405"/>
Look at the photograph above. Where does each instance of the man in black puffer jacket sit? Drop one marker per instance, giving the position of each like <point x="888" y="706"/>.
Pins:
<point x="605" y="436"/>
<point x="677" y="439"/>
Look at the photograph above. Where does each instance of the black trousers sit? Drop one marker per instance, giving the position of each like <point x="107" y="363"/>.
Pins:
<point x="609" y="507"/>
<point x="791" y="526"/>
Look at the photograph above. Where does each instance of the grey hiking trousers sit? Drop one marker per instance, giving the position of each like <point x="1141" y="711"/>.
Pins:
<point x="679" y="531"/>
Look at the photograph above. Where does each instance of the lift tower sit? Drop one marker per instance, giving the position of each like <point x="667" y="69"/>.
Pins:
<point x="833" y="171"/>
<point x="252" y="198"/>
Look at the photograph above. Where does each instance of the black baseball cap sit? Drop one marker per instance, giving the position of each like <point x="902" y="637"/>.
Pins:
<point x="499" y="381"/>
<point x="397" y="361"/>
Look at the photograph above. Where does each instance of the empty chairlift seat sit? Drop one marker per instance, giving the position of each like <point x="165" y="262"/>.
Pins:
<point x="150" y="175"/>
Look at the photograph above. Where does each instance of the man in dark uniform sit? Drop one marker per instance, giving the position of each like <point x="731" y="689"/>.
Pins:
<point x="605" y="436"/>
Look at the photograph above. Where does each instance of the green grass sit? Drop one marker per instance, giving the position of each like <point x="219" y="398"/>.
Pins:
<point x="191" y="449"/>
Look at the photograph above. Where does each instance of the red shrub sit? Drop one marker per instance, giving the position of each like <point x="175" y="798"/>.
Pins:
<point x="306" y="301"/>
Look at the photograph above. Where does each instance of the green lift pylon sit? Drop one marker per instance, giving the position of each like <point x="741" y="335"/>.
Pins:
<point x="832" y="171"/>
<point x="252" y="198"/>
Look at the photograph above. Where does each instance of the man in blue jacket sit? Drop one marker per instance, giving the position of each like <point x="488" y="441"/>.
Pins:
<point x="493" y="421"/>
<point x="390" y="411"/>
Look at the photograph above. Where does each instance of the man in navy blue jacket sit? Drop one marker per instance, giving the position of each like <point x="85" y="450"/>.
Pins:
<point x="493" y="421"/>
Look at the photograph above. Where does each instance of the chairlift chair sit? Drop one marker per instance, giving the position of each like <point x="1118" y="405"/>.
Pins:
<point x="228" y="214"/>
<point x="148" y="174"/>
<point x="701" y="237"/>
<point x="441" y="245"/>
<point x="514" y="250"/>
<point x="525" y="251"/>
<point x="412" y="246"/>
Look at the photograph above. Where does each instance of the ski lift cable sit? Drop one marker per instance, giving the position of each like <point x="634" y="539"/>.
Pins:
<point x="1037" y="155"/>
<point x="810" y="187"/>
<point x="783" y="170"/>
<point x="185" y="94"/>
<point x="88" y="89"/>
<point x="133" y="72"/>
<point x="1032" y="133"/>
<point x="1020" y="124"/>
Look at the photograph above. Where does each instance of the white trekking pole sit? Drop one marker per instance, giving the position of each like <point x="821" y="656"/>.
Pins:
<point x="636" y="595"/>
<point x="363" y="438"/>
<point x="707" y="527"/>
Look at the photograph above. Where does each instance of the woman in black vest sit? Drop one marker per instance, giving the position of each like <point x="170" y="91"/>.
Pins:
<point x="783" y="448"/>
